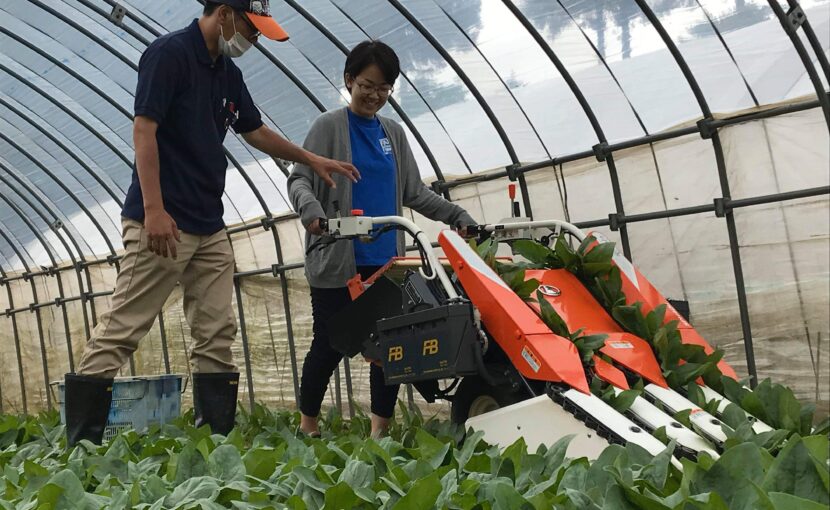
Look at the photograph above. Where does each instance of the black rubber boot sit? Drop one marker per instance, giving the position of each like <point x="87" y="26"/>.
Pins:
<point x="87" y="401"/>
<point x="214" y="400"/>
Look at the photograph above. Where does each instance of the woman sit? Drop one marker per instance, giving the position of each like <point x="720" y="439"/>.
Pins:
<point x="390" y="179"/>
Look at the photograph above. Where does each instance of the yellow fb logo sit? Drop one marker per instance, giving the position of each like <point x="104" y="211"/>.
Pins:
<point x="430" y="347"/>
<point x="395" y="353"/>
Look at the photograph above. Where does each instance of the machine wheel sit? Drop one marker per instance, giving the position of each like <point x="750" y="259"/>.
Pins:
<point x="474" y="397"/>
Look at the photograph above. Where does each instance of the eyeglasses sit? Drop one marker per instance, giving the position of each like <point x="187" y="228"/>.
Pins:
<point x="380" y="90"/>
<point x="255" y="33"/>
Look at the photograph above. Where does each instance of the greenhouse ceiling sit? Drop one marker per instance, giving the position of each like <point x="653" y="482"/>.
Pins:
<point x="486" y="85"/>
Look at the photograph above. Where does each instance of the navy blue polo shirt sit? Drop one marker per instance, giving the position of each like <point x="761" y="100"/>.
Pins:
<point x="194" y="100"/>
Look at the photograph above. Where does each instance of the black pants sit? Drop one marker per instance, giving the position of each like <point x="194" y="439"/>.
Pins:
<point x="322" y="359"/>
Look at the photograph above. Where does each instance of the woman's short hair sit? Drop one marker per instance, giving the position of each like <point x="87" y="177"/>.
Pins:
<point x="373" y="52"/>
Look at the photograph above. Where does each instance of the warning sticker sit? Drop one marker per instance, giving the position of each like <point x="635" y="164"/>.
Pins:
<point x="621" y="345"/>
<point x="531" y="359"/>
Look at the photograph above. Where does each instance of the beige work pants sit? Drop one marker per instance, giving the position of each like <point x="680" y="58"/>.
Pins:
<point x="204" y="266"/>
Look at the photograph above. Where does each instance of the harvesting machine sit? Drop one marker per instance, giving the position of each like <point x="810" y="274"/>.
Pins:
<point x="507" y="373"/>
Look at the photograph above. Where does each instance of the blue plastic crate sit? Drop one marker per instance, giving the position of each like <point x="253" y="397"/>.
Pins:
<point x="138" y="402"/>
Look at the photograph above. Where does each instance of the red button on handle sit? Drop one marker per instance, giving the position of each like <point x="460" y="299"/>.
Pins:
<point x="357" y="212"/>
<point x="511" y="191"/>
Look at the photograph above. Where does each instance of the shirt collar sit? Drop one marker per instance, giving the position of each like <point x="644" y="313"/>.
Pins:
<point x="201" y="48"/>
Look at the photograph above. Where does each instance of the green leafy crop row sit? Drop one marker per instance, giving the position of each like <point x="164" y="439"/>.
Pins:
<point x="422" y="465"/>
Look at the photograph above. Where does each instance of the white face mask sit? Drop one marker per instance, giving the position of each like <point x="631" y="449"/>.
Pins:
<point x="236" y="46"/>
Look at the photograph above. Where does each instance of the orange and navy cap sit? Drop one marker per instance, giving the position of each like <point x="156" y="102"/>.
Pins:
<point x="259" y="12"/>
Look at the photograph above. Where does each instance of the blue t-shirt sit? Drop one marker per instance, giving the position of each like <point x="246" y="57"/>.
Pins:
<point x="194" y="100"/>
<point x="375" y="192"/>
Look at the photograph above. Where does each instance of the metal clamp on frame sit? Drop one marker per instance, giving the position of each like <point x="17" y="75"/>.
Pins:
<point x="616" y="220"/>
<point x="722" y="207"/>
<point x="706" y="128"/>
<point x="795" y="18"/>
<point x="513" y="171"/>
<point x="601" y="151"/>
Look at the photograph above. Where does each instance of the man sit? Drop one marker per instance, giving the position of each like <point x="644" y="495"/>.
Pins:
<point x="189" y="93"/>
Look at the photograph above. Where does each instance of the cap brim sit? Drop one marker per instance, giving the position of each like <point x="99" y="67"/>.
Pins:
<point x="268" y="27"/>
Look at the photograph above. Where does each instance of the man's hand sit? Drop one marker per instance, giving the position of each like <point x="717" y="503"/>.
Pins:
<point x="162" y="232"/>
<point x="325" y="167"/>
<point x="314" y="227"/>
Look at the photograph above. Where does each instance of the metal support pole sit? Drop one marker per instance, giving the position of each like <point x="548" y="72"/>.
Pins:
<point x="338" y="400"/>
<point x="349" y="393"/>
<point x="706" y="132"/>
<point x="237" y="284"/>
<point x="17" y="348"/>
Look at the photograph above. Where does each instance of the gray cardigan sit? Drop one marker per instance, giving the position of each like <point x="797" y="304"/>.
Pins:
<point x="332" y="265"/>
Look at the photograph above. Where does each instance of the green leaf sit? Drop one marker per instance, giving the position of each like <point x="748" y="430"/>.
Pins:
<point x="590" y="344"/>
<point x="260" y="462"/>
<point x="565" y="254"/>
<point x="796" y="471"/>
<point x="551" y="318"/>
<point x="65" y="492"/>
<point x="631" y="318"/>
<point x="423" y="494"/>
<point x="310" y="479"/>
<point x="599" y="254"/>
<point x="341" y="496"/>
<point x="430" y="449"/>
<point x="784" y="501"/>
<point x="526" y="288"/>
<point x="202" y="487"/>
<point x="226" y="464"/>
<point x="732" y="476"/>
<point x="535" y="252"/>
<point x="622" y="402"/>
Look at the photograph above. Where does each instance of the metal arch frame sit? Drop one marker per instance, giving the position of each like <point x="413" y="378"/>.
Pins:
<point x="37" y="305"/>
<point x="422" y="98"/>
<point x="83" y="123"/>
<point x="511" y="152"/>
<point x="70" y="152"/>
<point x="63" y="186"/>
<point x="600" y="150"/>
<point x="62" y="295"/>
<point x="639" y="120"/>
<point x="606" y="66"/>
<point x="85" y="263"/>
<point x="392" y="102"/>
<point x="792" y="32"/>
<point x="496" y="73"/>
<point x="75" y="264"/>
<point x="729" y="52"/>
